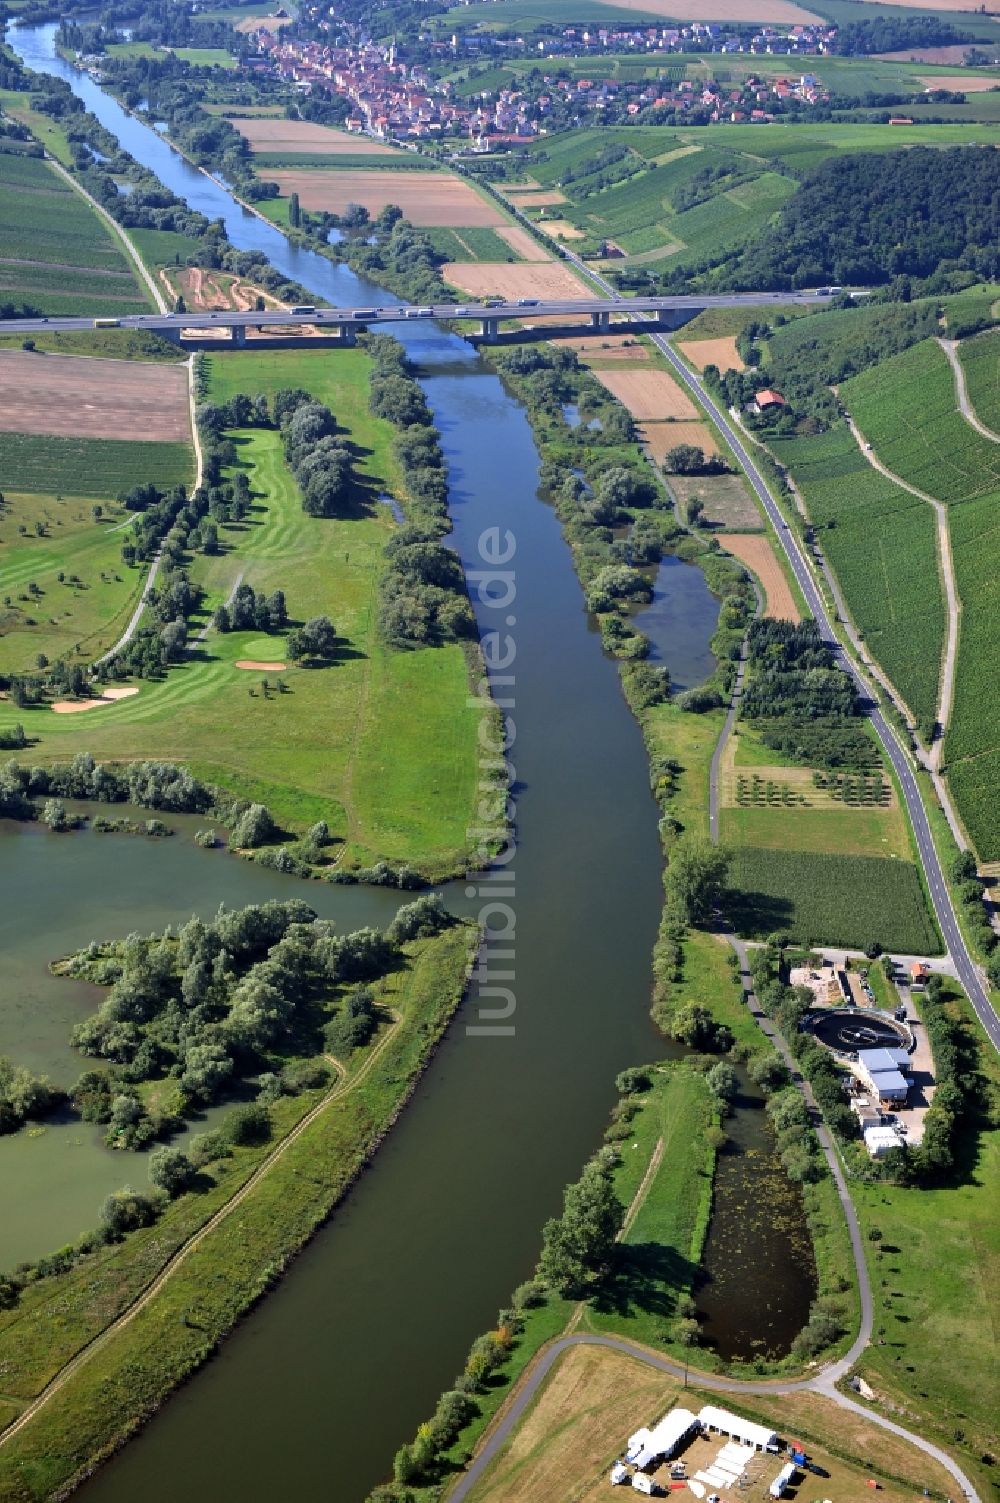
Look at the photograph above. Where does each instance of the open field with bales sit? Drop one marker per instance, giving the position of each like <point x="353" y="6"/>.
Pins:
<point x="426" y="198"/>
<point x="56" y="254"/>
<point x="109" y="399"/>
<point x="380" y="744"/>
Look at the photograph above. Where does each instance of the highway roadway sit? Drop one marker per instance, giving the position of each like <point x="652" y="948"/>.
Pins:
<point x="392" y="313"/>
<point x="967" y="971"/>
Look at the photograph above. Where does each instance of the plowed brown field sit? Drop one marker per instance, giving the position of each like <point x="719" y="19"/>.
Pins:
<point x="721" y="352"/>
<point x="541" y="279"/>
<point x="426" y="198"/>
<point x="662" y="437"/>
<point x="69" y="396"/>
<point x="268" y="134"/>
<point x="648" y="394"/>
<point x="519" y="239"/>
<point x="759" y="556"/>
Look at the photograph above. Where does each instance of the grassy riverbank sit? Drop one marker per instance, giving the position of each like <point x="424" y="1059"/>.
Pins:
<point x="128" y="1373"/>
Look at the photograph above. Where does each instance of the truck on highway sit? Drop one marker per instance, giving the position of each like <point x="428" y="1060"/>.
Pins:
<point x="107" y="323"/>
<point x="303" y="308"/>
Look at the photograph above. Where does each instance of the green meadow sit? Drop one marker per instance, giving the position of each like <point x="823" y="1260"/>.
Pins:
<point x="83" y="613"/>
<point x="382" y="744"/>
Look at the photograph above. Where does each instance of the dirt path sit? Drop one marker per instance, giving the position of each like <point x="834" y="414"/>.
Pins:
<point x="946" y="692"/>
<point x="342" y="1088"/>
<point x="965" y="407"/>
<point x="154" y="568"/>
<point x="116" y="228"/>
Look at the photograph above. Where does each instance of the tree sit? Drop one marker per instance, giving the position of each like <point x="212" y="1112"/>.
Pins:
<point x="722" y="1082"/>
<point x="294" y="211"/>
<point x="694" y="1026"/>
<point x="696" y="877"/>
<point x="317" y="639"/>
<point x="577" y="1247"/>
<point x="684" y="459"/>
<point x="253" y="828"/>
<point x="171" y="1170"/>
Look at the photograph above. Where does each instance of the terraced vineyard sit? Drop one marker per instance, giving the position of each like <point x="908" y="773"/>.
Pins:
<point x="56" y="254"/>
<point x="880" y="541"/>
<point x="906" y="408"/>
<point x="980" y="359"/>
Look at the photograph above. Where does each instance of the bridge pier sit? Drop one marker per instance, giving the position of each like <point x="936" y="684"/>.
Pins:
<point x="348" y="336"/>
<point x="490" y="329"/>
<point x="600" y="320"/>
<point x="663" y="315"/>
<point x="239" y="335"/>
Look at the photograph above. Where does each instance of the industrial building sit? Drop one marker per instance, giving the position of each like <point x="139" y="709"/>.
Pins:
<point x="882" y="1072"/>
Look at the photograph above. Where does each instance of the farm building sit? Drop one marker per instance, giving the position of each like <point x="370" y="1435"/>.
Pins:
<point x="647" y="1446"/>
<point x="727" y="1423"/>
<point x="879" y="1140"/>
<point x="882" y="1072"/>
<point x="766" y="400"/>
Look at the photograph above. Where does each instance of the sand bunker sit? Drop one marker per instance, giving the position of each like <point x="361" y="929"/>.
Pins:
<point x="261" y="667"/>
<point x="109" y="697"/>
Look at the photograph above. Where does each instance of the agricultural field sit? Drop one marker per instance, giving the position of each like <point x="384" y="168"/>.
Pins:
<point x="906" y="408"/>
<point x="100" y="468"/>
<point x="56" y="253"/>
<point x="480" y="244"/>
<point x="726" y="500"/>
<point x="382" y="744"/>
<point x="818" y="898"/>
<point x="649" y="394"/>
<point x="539" y="279"/>
<point x="980" y="357"/>
<point x="205" y="57"/>
<point x="105" y="399"/>
<point x="305" y="138"/>
<point x="757" y="552"/>
<point x="426" y="199"/>
<point x="721" y="352"/>
<point x="114" y="344"/>
<point x="881" y="543"/>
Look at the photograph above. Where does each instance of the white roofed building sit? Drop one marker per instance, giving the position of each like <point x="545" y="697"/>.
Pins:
<point x="727" y="1423"/>
<point x="647" y="1446"/>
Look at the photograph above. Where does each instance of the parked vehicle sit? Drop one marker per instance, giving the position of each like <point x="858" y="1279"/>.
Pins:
<point x="303" y="308"/>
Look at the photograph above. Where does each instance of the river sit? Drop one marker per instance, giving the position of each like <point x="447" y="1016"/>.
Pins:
<point x="317" y="1387"/>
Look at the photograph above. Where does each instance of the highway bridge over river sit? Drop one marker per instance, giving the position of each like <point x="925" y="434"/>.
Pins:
<point x="342" y="324"/>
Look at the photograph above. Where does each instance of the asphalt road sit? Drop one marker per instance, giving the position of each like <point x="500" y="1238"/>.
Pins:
<point x="965" y="968"/>
<point x="394" y="312"/>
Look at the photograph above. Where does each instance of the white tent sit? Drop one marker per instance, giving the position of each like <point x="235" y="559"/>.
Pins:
<point x="727" y="1423"/>
<point x="647" y="1446"/>
<point x="619" y="1473"/>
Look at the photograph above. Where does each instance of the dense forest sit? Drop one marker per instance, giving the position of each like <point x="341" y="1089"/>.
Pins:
<point x="867" y="219"/>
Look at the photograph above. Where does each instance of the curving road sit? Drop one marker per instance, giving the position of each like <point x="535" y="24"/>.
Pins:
<point x="966" y="970"/>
